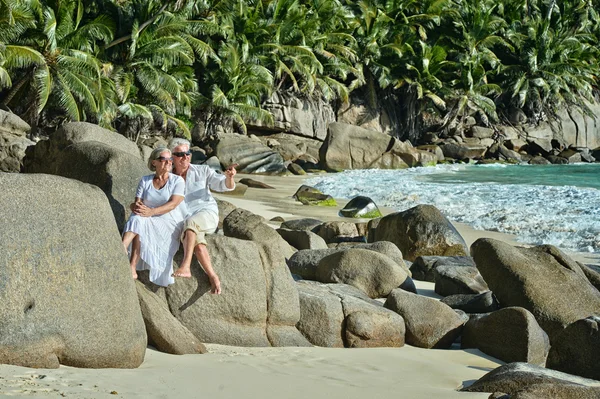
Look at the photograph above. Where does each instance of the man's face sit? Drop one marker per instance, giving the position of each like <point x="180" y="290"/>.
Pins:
<point x="181" y="157"/>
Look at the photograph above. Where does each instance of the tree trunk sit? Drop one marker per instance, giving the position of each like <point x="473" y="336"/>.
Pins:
<point x="408" y="114"/>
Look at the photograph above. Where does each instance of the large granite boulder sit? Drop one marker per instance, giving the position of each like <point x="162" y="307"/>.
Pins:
<point x="575" y="350"/>
<point x="423" y="267"/>
<point x="259" y="304"/>
<point x="282" y="295"/>
<point x="513" y="377"/>
<point x="352" y="147"/>
<point x="165" y="332"/>
<point x="302" y="239"/>
<point x="421" y="231"/>
<point x="509" y="334"/>
<point x="304" y="262"/>
<point x="453" y="280"/>
<point x="94" y="155"/>
<point x="372" y="272"/>
<point x="473" y="303"/>
<point x="67" y="293"/>
<point x="252" y="156"/>
<point x="463" y="152"/>
<point x="541" y="279"/>
<point x="338" y="315"/>
<point x="13" y="141"/>
<point x="429" y="323"/>
<point x="557" y="391"/>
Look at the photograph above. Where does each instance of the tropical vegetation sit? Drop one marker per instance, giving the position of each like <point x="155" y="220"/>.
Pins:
<point x="174" y="62"/>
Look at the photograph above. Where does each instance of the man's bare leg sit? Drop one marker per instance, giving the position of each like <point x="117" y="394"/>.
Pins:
<point x="189" y="240"/>
<point x="204" y="259"/>
<point x="128" y="238"/>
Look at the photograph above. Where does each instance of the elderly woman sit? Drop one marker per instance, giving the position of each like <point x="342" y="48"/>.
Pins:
<point x="154" y="228"/>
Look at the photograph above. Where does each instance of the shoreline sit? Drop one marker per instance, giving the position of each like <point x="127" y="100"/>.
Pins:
<point x="274" y="373"/>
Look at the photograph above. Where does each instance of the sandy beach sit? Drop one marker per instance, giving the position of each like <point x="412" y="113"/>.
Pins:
<point x="234" y="372"/>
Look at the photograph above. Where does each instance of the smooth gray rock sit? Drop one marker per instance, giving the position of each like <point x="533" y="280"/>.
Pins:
<point x="421" y="231"/>
<point x="360" y="207"/>
<point x="541" y="279"/>
<point x="481" y="303"/>
<point x="372" y="272"/>
<point x="452" y="280"/>
<point x="335" y="231"/>
<point x="13" y="141"/>
<point x="339" y="314"/>
<point x="67" y="293"/>
<point x="429" y="323"/>
<point x="423" y="266"/>
<point x="509" y="334"/>
<point x="513" y="377"/>
<point x="93" y="155"/>
<point x="251" y="156"/>
<point x="557" y="391"/>
<point x="463" y="151"/>
<point x="308" y="224"/>
<point x="255" y="183"/>
<point x="592" y="272"/>
<point x="165" y="332"/>
<point x="576" y="349"/>
<point x="302" y="239"/>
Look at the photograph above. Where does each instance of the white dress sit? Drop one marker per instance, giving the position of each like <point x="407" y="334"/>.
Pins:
<point x="159" y="235"/>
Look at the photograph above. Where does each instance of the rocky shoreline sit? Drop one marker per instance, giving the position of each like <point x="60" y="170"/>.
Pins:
<point x="288" y="282"/>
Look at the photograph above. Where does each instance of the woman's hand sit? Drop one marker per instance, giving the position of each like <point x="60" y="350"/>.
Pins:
<point x="143" y="210"/>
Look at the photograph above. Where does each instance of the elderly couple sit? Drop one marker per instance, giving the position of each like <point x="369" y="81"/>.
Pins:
<point x="170" y="207"/>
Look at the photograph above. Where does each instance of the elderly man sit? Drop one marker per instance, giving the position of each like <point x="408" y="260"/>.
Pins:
<point x="202" y="209"/>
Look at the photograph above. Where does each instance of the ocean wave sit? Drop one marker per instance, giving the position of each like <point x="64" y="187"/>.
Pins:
<point x="561" y="215"/>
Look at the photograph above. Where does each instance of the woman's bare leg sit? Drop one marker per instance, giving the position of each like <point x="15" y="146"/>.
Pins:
<point x="135" y="255"/>
<point x="204" y="259"/>
<point x="189" y="240"/>
<point x="128" y="238"/>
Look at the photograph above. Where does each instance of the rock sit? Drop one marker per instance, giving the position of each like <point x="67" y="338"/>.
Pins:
<point x="336" y="315"/>
<point x="103" y="158"/>
<point x="311" y="196"/>
<point x="352" y="147"/>
<point x="433" y="149"/>
<point x="307" y="224"/>
<point x="214" y="163"/>
<point x="541" y="279"/>
<point x="164" y="331"/>
<point x="509" y="154"/>
<point x="225" y="208"/>
<point x="301" y="239"/>
<point x="509" y="334"/>
<point x="515" y="144"/>
<point x="481" y="132"/>
<point x="575" y="350"/>
<point x="474" y="303"/>
<point x="361" y="207"/>
<point x="374" y="273"/>
<point x="421" y="231"/>
<point x="424" y="266"/>
<point x="259" y="305"/>
<point x="251" y="155"/>
<point x="513" y="377"/>
<point x="592" y="272"/>
<point x="539" y="161"/>
<point x="539" y="146"/>
<point x="508" y="133"/>
<point x="571" y="156"/>
<point x="557" y="391"/>
<point x="336" y="231"/>
<point x="296" y="169"/>
<point x="255" y="183"/>
<point x="463" y="151"/>
<point x="556" y="160"/>
<point x="239" y="191"/>
<point x="452" y="280"/>
<point x="429" y="323"/>
<point x="13" y="141"/>
<point x="305" y="262"/>
<point x="67" y="293"/>
<point x="358" y="112"/>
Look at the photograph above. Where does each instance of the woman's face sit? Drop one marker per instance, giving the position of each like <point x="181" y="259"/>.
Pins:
<point x="163" y="163"/>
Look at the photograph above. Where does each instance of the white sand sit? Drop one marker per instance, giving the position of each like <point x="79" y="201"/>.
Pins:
<point x="233" y="372"/>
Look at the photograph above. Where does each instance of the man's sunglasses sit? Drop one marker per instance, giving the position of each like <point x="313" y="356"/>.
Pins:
<point x="162" y="159"/>
<point x="182" y="154"/>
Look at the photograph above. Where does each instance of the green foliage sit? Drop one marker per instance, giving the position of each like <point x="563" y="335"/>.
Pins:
<point x="170" y="61"/>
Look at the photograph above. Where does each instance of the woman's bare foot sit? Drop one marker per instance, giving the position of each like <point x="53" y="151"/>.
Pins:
<point x="215" y="284"/>
<point x="134" y="273"/>
<point x="183" y="271"/>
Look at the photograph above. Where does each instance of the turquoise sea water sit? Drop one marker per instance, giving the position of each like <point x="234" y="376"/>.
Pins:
<point x="540" y="204"/>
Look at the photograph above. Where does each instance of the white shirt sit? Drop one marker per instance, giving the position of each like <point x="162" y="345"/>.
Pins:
<point x="153" y="197"/>
<point x="198" y="182"/>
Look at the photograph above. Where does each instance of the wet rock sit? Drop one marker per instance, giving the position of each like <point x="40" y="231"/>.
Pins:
<point x="361" y="207"/>
<point x="312" y="196"/>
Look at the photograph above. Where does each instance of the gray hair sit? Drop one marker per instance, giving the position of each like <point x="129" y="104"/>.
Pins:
<point x="154" y="156"/>
<point x="177" y="142"/>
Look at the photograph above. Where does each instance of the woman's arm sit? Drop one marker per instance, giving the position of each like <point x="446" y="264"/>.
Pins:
<point x="133" y="205"/>
<point x="173" y="202"/>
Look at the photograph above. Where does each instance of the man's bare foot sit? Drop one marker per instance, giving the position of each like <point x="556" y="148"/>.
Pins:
<point x="215" y="284"/>
<point x="183" y="271"/>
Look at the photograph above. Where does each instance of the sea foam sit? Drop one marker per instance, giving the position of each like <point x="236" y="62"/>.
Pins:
<point x="561" y="215"/>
